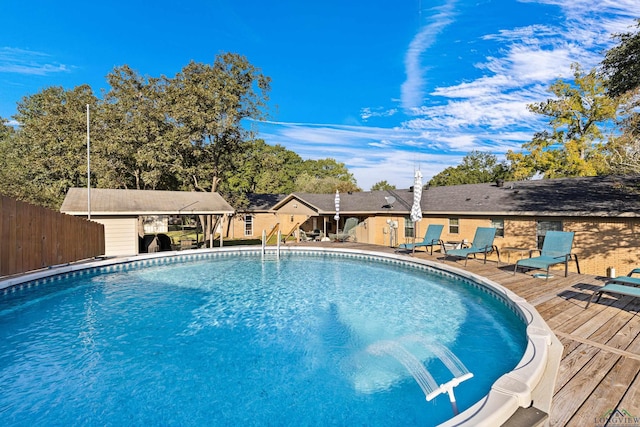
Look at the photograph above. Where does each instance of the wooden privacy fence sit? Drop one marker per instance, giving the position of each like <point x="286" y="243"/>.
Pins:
<point x="33" y="237"/>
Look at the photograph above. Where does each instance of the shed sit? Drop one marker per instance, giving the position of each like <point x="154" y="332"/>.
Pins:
<point x="119" y="211"/>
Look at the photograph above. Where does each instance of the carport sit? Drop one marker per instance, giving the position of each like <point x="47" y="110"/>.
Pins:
<point x="120" y="211"/>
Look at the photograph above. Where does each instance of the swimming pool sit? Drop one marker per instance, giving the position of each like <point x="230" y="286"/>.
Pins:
<point x="225" y="338"/>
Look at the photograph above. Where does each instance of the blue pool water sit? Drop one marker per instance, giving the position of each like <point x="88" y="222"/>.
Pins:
<point x="238" y="341"/>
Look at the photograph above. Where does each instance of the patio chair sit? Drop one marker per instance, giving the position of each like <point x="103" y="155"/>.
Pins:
<point x="482" y="244"/>
<point x="556" y="249"/>
<point x="347" y="231"/>
<point x="612" y="287"/>
<point x="628" y="279"/>
<point x="431" y="238"/>
<point x="304" y="237"/>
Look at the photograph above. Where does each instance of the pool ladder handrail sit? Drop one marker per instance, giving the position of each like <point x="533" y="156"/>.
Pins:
<point x="264" y="243"/>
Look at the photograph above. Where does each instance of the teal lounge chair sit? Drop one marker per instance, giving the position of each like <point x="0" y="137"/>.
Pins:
<point x="431" y="238"/>
<point x="628" y="279"/>
<point x="347" y="231"/>
<point x="482" y="244"/>
<point x="621" y="285"/>
<point x="611" y="287"/>
<point x="556" y="249"/>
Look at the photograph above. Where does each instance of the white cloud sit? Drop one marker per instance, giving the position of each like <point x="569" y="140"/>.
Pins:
<point x="368" y="112"/>
<point x="21" y="61"/>
<point x="391" y="154"/>
<point x="412" y="89"/>
<point x="527" y="64"/>
<point x="518" y="72"/>
<point x="371" y="154"/>
<point x="488" y="113"/>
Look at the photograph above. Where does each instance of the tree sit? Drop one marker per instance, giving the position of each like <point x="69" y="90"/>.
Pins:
<point x="208" y="103"/>
<point x="309" y="184"/>
<point x="621" y="65"/>
<point x="137" y="148"/>
<point x="476" y="167"/>
<point x="264" y="169"/>
<point x="180" y="133"/>
<point x="328" y="168"/>
<point x="382" y="185"/>
<point x="7" y="154"/>
<point x="325" y="176"/>
<point x="50" y="147"/>
<point x="5" y="129"/>
<point x="574" y="146"/>
<point x="624" y="149"/>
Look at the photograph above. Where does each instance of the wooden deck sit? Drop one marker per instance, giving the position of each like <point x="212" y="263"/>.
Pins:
<point x="600" y="369"/>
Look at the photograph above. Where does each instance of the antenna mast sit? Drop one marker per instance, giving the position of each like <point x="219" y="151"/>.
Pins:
<point x="88" y="169"/>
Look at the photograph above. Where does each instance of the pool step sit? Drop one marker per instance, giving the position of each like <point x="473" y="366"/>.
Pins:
<point x="527" y="417"/>
<point x="270" y="256"/>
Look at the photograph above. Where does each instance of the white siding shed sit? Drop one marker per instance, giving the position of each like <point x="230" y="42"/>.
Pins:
<point x="118" y="210"/>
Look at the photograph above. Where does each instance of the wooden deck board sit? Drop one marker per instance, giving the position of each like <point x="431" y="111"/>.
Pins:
<point x="573" y="362"/>
<point x="600" y="365"/>
<point x="631" y="399"/>
<point x="571" y="397"/>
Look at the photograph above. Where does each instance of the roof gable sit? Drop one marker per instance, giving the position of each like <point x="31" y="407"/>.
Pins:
<point x="354" y="203"/>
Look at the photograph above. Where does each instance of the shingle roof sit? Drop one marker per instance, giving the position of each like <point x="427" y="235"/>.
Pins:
<point x="585" y="196"/>
<point x="364" y="202"/>
<point x="263" y="202"/>
<point x="602" y="196"/>
<point x="138" y="202"/>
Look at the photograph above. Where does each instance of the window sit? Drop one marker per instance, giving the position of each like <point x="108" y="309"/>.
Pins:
<point x="498" y="224"/>
<point x="454" y="225"/>
<point x="248" y="225"/>
<point x="409" y="228"/>
<point x="543" y="227"/>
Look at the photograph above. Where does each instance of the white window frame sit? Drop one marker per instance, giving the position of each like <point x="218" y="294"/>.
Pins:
<point x="498" y="224"/>
<point x="409" y="228"/>
<point x="248" y="225"/>
<point x="542" y="226"/>
<point x="454" y="225"/>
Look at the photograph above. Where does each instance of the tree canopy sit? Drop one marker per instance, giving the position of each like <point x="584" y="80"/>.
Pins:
<point x="382" y="186"/>
<point x="47" y="155"/>
<point x="476" y="167"/>
<point x="581" y="117"/>
<point x="180" y="133"/>
<point x="594" y="122"/>
<point x="621" y="64"/>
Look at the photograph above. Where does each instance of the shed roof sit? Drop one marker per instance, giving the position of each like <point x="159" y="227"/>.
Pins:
<point x="144" y="202"/>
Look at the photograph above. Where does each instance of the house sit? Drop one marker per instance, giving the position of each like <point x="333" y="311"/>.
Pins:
<point x="249" y="222"/>
<point x="127" y="215"/>
<point x="380" y="213"/>
<point x="604" y="213"/>
<point x="311" y="211"/>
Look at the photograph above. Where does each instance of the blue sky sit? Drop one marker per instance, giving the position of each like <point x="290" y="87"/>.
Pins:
<point x="383" y="86"/>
